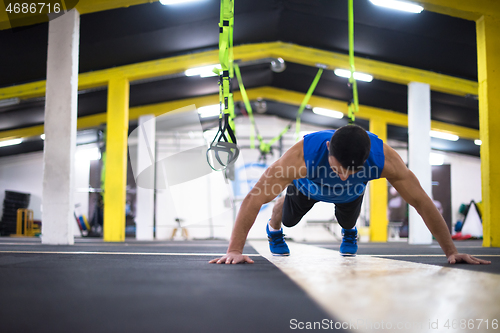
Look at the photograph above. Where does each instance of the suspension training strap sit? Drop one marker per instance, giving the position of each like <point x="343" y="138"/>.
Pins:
<point x="248" y="107"/>
<point x="305" y="101"/>
<point x="353" y="105"/>
<point x="266" y="147"/>
<point x="223" y="143"/>
<point x="226" y="58"/>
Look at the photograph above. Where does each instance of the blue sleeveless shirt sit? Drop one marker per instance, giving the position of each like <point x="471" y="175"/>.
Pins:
<point x="323" y="184"/>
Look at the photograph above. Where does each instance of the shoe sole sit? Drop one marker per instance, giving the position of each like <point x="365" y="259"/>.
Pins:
<point x="348" y="254"/>
<point x="280" y="254"/>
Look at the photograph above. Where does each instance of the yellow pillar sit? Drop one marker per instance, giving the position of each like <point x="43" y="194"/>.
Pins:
<point x="378" y="192"/>
<point x="116" y="160"/>
<point x="488" y="56"/>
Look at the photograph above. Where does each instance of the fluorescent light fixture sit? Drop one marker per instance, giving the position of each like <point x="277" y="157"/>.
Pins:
<point x="357" y="75"/>
<point x="42" y="136"/>
<point x="478" y="142"/>
<point x="89" y="154"/>
<point x="204" y="71"/>
<point x="209" y="111"/>
<point x="328" y="113"/>
<point x="175" y="2"/>
<point x="436" y="159"/>
<point x="12" y="142"/>
<point x="444" y="136"/>
<point x="399" y="5"/>
<point x="9" y="101"/>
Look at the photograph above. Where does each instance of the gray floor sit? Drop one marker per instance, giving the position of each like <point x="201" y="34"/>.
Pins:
<point x="420" y="253"/>
<point x="167" y="286"/>
<point x="130" y="289"/>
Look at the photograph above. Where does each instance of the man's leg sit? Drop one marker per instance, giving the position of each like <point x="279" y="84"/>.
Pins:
<point x="277" y="213"/>
<point x="289" y="210"/>
<point x="347" y="214"/>
<point x="295" y="206"/>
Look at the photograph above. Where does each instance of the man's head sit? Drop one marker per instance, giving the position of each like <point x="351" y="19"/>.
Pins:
<point x="349" y="148"/>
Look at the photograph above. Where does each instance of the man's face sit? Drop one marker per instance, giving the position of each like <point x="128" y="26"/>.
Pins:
<point x="337" y="167"/>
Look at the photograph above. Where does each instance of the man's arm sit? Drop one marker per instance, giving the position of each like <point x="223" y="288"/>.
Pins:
<point x="408" y="186"/>
<point x="274" y="180"/>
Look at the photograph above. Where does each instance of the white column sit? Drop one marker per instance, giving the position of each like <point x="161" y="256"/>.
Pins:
<point x="145" y="200"/>
<point x="60" y="129"/>
<point x="419" y="148"/>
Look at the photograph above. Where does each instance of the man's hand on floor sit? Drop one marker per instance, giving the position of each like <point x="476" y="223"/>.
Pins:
<point x="232" y="258"/>
<point x="465" y="258"/>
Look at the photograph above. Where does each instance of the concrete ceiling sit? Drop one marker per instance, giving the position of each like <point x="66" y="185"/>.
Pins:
<point x="117" y="37"/>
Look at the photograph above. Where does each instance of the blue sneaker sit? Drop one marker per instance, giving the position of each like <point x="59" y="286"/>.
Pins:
<point x="277" y="243"/>
<point x="349" y="245"/>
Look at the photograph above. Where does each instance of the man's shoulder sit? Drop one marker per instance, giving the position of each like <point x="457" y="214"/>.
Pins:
<point x="293" y="161"/>
<point x="391" y="157"/>
<point x="294" y="155"/>
<point x="321" y="135"/>
<point x="297" y="151"/>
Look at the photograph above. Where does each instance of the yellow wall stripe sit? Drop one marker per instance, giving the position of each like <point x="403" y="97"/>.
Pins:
<point x="466" y="9"/>
<point x="115" y="182"/>
<point x="83" y="7"/>
<point x="269" y="93"/>
<point x="488" y="45"/>
<point x="289" y="52"/>
<point x="378" y="192"/>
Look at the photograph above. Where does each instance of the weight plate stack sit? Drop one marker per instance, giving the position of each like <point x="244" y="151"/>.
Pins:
<point x="11" y="203"/>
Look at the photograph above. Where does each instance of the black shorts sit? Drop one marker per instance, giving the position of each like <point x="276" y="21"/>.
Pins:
<point x="296" y="205"/>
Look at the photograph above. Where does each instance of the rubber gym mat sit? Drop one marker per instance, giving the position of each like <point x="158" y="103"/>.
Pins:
<point x="44" y="292"/>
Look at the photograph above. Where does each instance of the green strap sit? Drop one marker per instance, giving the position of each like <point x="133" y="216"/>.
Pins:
<point x="103" y="171"/>
<point x="306" y="100"/>
<point x="276" y="138"/>
<point x="266" y="147"/>
<point x="224" y="141"/>
<point x="248" y="107"/>
<point x="352" y="108"/>
<point x="226" y="59"/>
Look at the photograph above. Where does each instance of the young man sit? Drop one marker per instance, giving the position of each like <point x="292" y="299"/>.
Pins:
<point x="333" y="166"/>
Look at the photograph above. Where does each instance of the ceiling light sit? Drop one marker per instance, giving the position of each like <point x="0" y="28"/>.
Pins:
<point x="9" y="101"/>
<point x="175" y="2"/>
<point x="204" y="71"/>
<point x="209" y="111"/>
<point x="436" y="159"/>
<point x="12" y="142"/>
<point x="357" y="75"/>
<point x="328" y="113"/>
<point x="399" y="5"/>
<point x="444" y="136"/>
<point x="478" y="142"/>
